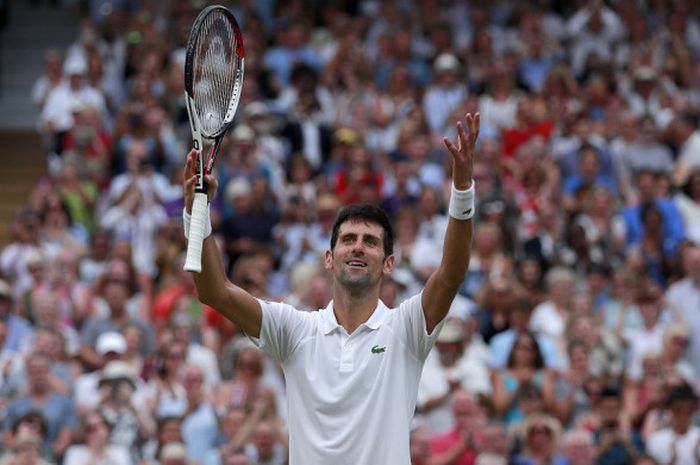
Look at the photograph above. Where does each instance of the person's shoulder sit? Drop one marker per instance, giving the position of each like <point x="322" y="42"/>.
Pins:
<point x="681" y="286"/>
<point x="660" y="436"/>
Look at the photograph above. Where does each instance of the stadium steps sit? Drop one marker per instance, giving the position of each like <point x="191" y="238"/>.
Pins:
<point x="29" y="32"/>
<point x="23" y="164"/>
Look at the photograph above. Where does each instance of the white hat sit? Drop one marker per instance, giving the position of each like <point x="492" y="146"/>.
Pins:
<point x="173" y="451"/>
<point x="237" y="187"/>
<point x="243" y="134"/>
<point x="5" y="290"/>
<point x="117" y="370"/>
<point x="451" y="332"/>
<point x="445" y="62"/>
<point x="256" y="109"/>
<point x="110" y="342"/>
<point x="645" y="73"/>
<point x="74" y="66"/>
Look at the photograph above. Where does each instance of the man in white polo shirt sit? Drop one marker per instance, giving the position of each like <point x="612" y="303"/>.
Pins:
<point x="352" y="368"/>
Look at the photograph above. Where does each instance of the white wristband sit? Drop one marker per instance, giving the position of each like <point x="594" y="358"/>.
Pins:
<point x="462" y="203"/>
<point x="187" y="219"/>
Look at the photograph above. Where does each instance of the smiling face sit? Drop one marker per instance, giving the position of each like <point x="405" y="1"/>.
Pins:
<point x="358" y="260"/>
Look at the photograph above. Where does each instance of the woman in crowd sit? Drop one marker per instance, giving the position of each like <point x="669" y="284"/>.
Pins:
<point x="525" y="370"/>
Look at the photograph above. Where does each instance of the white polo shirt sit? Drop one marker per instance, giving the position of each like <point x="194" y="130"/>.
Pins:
<point x="351" y="398"/>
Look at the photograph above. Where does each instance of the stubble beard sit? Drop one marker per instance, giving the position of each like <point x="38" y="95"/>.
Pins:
<point x="356" y="285"/>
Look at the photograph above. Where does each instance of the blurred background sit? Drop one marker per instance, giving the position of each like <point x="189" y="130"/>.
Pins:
<point x="575" y="338"/>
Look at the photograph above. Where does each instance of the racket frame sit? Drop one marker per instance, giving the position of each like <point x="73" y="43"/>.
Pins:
<point x="199" y="215"/>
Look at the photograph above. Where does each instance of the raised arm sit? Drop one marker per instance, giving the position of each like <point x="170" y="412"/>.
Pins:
<point x="443" y="284"/>
<point x="213" y="287"/>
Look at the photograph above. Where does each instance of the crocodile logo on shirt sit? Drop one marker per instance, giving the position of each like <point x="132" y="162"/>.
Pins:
<point x="378" y="350"/>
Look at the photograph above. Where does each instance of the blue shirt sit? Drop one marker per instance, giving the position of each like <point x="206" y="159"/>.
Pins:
<point x="617" y="454"/>
<point x="58" y="410"/>
<point x="573" y="183"/>
<point x="200" y="432"/>
<point x="673" y="228"/>
<point x="19" y="334"/>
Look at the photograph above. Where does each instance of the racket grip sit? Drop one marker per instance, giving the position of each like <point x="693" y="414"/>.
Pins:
<point x="193" y="262"/>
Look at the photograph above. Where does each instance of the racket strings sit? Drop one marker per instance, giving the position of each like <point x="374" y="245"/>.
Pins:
<point x="215" y="65"/>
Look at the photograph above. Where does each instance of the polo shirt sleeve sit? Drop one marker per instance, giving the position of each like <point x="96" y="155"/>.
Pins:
<point x="283" y="328"/>
<point x="414" y="330"/>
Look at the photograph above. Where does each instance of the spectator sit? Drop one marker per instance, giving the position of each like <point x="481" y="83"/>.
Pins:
<point x="56" y="116"/>
<point x="199" y="425"/>
<point x="571" y="402"/>
<point x="184" y="331"/>
<point x="420" y="445"/>
<point x="445" y="94"/>
<point x="550" y="316"/>
<point x="110" y="346"/>
<point x="688" y="202"/>
<point x="501" y="344"/>
<point x="672" y="229"/>
<point x="524" y="371"/>
<point x="116" y="293"/>
<point x="456" y="362"/>
<point x="26" y="450"/>
<point x="246" y="389"/>
<point x="168" y="431"/>
<point x="578" y="447"/>
<point x="679" y="442"/>
<point x="616" y="441"/>
<point x="164" y="395"/>
<point x="50" y="79"/>
<point x="649" y="337"/>
<point x="95" y="447"/>
<point x="684" y="135"/>
<point x="19" y="331"/>
<point x="128" y="425"/>
<point x="458" y="446"/>
<point x="679" y="297"/>
<point x="540" y="442"/>
<point x="58" y="409"/>
<point x="266" y="446"/>
<point x="136" y="209"/>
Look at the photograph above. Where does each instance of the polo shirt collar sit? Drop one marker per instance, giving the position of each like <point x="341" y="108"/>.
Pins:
<point x="330" y="323"/>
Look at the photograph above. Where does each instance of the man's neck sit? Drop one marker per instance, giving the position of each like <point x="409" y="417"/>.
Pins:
<point x="353" y="310"/>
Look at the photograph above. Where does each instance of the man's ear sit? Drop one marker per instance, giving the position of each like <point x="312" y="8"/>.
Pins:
<point x="388" y="265"/>
<point x="328" y="260"/>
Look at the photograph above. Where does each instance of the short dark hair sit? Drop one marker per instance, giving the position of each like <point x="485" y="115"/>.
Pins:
<point x="32" y="416"/>
<point x="611" y="392"/>
<point x="682" y="392"/>
<point x="369" y="213"/>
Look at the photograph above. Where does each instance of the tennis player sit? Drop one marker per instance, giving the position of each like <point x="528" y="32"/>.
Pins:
<point x="352" y="368"/>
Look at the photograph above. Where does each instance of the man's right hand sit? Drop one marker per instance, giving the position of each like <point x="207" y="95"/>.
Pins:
<point x="190" y="181"/>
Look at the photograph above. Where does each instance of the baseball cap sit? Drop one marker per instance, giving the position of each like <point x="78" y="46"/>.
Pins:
<point x="110" y="342"/>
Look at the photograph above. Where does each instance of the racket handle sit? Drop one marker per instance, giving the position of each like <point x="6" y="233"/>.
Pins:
<point x="193" y="262"/>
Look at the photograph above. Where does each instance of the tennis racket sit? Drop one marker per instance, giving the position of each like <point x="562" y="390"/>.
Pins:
<point x="213" y="83"/>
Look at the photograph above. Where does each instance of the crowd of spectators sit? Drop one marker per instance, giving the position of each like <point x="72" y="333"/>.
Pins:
<point x="576" y="335"/>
